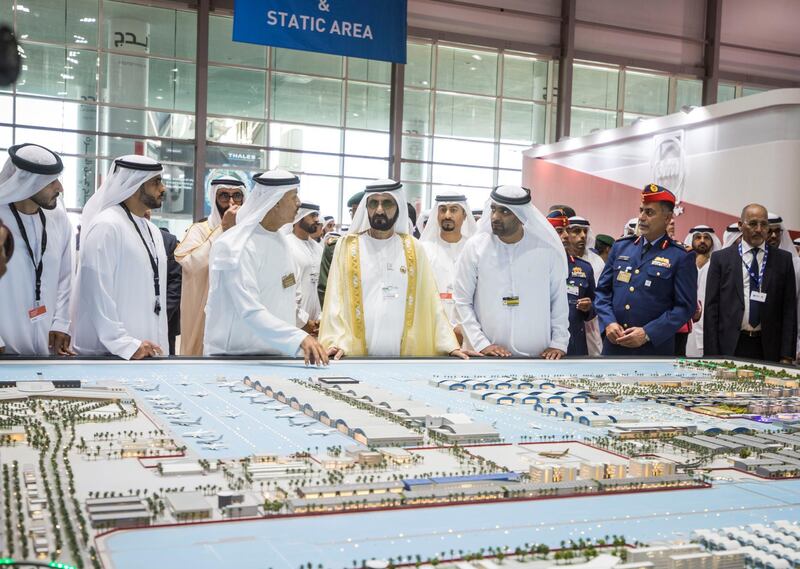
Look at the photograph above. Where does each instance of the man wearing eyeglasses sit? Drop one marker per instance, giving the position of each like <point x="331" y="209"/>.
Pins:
<point x="226" y="196"/>
<point x="751" y="297"/>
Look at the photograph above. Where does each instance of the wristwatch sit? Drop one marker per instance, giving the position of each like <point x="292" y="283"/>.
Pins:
<point x="646" y="338"/>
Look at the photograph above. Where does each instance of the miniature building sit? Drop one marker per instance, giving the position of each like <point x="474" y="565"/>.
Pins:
<point x="329" y="462"/>
<point x="118" y="512"/>
<point x="313" y="492"/>
<point x="245" y="506"/>
<point x="396" y="455"/>
<point x="548" y="473"/>
<point x="179" y="468"/>
<point x="188" y="505"/>
<point x="649" y="468"/>
<point x="601" y="471"/>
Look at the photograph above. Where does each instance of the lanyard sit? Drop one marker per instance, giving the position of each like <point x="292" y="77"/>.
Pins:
<point x="37" y="267"/>
<point x="153" y="260"/>
<point x="760" y="277"/>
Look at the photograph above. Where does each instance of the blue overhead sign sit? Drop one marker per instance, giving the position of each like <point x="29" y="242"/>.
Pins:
<point x="370" y="29"/>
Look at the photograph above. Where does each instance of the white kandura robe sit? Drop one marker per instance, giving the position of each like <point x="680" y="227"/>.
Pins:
<point x="442" y="257"/>
<point x="384" y="285"/>
<point x="18" y="335"/>
<point x="249" y="311"/>
<point x="307" y="255"/>
<point x="113" y="301"/>
<point x="489" y="270"/>
<point x="694" y="344"/>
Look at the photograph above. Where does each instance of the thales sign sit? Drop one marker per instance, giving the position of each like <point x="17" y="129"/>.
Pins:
<point x="370" y="29"/>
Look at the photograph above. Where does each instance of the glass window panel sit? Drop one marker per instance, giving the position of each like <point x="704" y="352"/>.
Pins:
<point x="417" y="194"/>
<point x="584" y="121"/>
<point x="58" y="72"/>
<point x="414" y="172"/>
<point x="646" y="93"/>
<point x="462" y="175"/>
<point x="147" y="29"/>
<point x="297" y="98"/>
<point x="6" y="137"/>
<point x="595" y="87"/>
<point x="725" y="92"/>
<point x="509" y="177"/>
<point x="307" y="62"/>
<point x="323" y="191"/>
<point x="369" y="70"/>
<point x="186" y="34"/>
<point x="522" y="122"/>
<point x="416" y="148"/>
<point x="368" y="106"/>
<point x="476" y="197"/>
<point x="222" y="49"/>
<point x="418" y="65"/>
<point x="416" y="112"/>
<point x="305" y="162"/>
<point x="464" y="116"/>
<point x="125" y="79"/>
<point x="236" y="92"/>
<point x="466" y="70"/>
<point x="171" y="85"/>
<point x="57" y="21"/>
<point x="6" y="109"/>
<point x="236" y="131"/>
<point x="463" y="152"/>
<point x="366" y="143"/>
<point x="524" y="78"/>
<point x="688" y="92"/>
<point x="55" y="140"/>
<point x="511" y="156"/>
<point x="630" y="118"/>
<point x="250" y="159"/>
<point x="366" y="167"/>
<point x="746" y="91"/>
<point x="308" y="138"/>
<point x="177" y="203"/>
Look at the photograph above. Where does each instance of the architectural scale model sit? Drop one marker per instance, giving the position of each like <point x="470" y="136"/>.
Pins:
<point x="645" y="464"/>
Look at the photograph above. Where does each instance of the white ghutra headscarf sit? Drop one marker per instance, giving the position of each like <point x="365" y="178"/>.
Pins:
<point x="395" y="190"/>
<point x="433" y="233"/>
<point x="28" y="170"/>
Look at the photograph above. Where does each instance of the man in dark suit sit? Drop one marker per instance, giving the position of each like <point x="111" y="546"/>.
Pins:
<point x="751" y="302"/>
<point x="174" y="284"/>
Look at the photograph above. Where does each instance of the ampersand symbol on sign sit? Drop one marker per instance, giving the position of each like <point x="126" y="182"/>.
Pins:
<point x="323" y="6"/>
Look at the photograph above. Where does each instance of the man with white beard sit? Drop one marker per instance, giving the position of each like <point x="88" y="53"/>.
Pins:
<point x="443" y="238"/>
<point x="119" y="304"/>
<point x="34" y="297"/>
<point x="511" y="281"/>
<point x="703" y="241"/>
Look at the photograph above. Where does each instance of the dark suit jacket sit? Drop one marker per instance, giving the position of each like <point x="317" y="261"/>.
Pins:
<point x="725" y="300"/>
<point x="174" y="277"/>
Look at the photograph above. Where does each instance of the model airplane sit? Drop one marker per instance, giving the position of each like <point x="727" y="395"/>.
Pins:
<point x="321" y="432"/>
<point x="200" y="394"/>
<point x="277" y="407"/>
<point x="199" y="433"/>
<point x="288" y="415"/>
<point x="554" y="454"/>
<point x="231" y="414"/>
<point x="144" y="387"/>
<point x="214" y="446"/>
<point x="240" y="388"/>
<point x="210" y="438"/>
<point x="184" y="383"/>
<point x="250" y="395"/>
<point x="229" y="384"/>
<point x="172" y="412"/>
<point x="186" y="422"/>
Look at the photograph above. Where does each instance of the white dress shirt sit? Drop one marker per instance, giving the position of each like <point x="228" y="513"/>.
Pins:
<point x="747" y="254"/>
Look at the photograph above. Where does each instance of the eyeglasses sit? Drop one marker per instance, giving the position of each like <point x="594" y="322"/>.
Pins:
<point x="8" y="244"/>
<point x="755" y="224"/>
<point x="236" y="196"/>
<point x="775" y="230"/>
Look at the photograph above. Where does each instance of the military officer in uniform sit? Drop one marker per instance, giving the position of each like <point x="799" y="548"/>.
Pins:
<point x="580" y="289"/>
<point x="648" y="289"/>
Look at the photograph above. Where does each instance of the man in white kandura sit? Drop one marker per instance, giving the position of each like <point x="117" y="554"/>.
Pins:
<point x="511" y="281"/>
<point x="34" y="296"/>
<point x="443" y="238"/>
<point x="252" y="297"/>
<point x="382" y="298"/>
<point x="119" y="302"/>
<point x="703" y="241"/>
<point x="307" y="255"/>
<point x="226" y="195"/>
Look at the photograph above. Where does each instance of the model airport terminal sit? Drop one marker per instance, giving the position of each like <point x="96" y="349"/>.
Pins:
<point x="254" y="464"/>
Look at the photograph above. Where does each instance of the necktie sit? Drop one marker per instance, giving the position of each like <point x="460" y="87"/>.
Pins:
<point x="646" y="247"/>
<point x="754" y="318"/>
